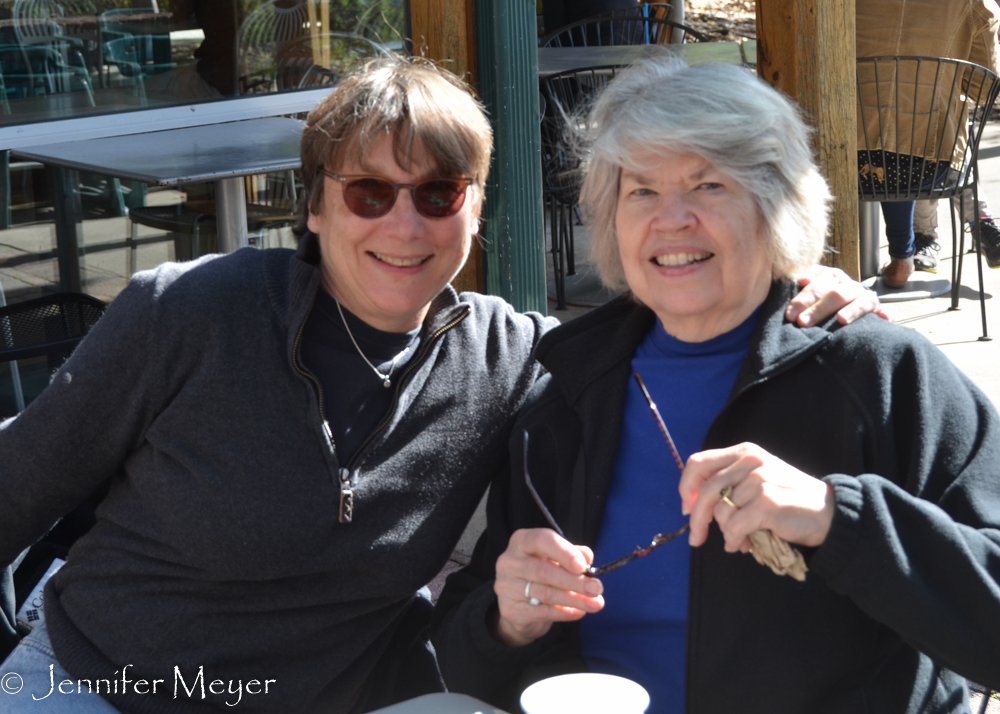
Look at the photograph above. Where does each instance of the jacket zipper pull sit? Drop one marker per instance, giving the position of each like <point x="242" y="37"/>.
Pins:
<point x="346" y="497"/>
<point x="344" y="477"/>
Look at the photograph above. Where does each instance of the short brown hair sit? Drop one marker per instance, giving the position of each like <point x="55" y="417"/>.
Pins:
<point x="414" y="102"/>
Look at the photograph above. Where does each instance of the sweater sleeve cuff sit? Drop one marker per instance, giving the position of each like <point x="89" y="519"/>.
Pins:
<point x="830" y="559"/>
<point x="496" y="653"/>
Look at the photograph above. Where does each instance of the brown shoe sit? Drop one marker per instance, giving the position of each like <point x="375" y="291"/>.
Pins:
<point x="897" y="272"/>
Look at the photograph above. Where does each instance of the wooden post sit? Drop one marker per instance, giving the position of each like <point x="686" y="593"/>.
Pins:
<point x="444" y="31"/>
<point x="805" y="48"/>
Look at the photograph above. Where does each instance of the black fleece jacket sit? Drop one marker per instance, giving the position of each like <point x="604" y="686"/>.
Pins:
<point x="219" y="544"/>
<point x="905" y="591"/>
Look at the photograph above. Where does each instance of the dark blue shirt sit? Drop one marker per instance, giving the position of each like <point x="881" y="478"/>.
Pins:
<point x="354" y="399"/>
<point x="642" y="631"/>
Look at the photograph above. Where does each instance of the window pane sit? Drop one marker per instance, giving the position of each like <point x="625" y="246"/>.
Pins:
<point x="67" y="58"/>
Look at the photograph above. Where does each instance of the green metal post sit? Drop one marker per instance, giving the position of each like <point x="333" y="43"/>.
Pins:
<point x="514" y="214"/>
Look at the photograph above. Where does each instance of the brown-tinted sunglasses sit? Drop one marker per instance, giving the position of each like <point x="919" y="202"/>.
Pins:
<point x="373" y="196"/>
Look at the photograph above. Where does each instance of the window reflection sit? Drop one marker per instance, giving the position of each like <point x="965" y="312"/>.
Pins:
<point x="65" y="58"/>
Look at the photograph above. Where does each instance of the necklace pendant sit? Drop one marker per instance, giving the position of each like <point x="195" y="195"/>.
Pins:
<point x="386" y="383"/>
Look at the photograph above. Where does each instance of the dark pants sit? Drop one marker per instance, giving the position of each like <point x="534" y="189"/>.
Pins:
<point x="898" y="217"/>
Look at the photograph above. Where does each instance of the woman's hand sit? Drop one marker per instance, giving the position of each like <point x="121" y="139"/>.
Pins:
<point x="555" y="568"/>
<point x="767" y="493"/>
<point x="828" y="290"/>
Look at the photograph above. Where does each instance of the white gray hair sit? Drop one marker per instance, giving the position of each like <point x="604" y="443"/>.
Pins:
<point x="730" y="118"/>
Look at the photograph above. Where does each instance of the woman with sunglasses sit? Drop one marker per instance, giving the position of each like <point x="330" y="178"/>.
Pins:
<point x="295" y="440"/>
<point x="704" y="201"/>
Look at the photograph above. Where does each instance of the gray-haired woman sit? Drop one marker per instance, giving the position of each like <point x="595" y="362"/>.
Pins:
<point x="705" y="203"/>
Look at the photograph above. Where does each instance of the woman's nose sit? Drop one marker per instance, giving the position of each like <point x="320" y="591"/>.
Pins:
<point x="673" y="212"/>
<point x="404" y="213"/>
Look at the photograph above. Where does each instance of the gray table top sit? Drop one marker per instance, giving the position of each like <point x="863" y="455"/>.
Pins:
<point x="176" y="156"/>
<point x="561" y="59"/>
<point x="441" y="704"/>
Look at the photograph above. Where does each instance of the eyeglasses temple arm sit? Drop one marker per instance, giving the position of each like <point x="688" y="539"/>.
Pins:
<point x="659" y="421"/>
<point x="534" y="493"/>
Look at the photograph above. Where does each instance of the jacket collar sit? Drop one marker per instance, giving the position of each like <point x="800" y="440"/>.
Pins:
<point x="590" y="357"/>
<point x="609" y="336"/>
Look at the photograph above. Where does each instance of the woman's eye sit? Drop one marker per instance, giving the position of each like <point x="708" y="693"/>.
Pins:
<point x="642" y="192"/>
<point x="710" y="185"/>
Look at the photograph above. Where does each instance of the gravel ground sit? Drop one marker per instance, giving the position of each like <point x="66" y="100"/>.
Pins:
<point x="723" y="20"/>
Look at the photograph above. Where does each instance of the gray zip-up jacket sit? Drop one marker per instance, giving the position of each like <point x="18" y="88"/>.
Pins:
<point x="219" y="545"/>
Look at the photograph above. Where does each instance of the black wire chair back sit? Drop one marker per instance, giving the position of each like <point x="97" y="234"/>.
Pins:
<point x="566" y="97"/>
<point x="920" y="120"/>
<point x="614" y="29"/>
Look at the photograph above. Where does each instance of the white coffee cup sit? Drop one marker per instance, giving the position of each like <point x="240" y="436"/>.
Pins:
<point x="585" y="693"/>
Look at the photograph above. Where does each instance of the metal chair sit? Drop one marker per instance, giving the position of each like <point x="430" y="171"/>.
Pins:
<point x="260" y="36"/>
<point x="651" y="10"/>
<point x="565" y="94"/>
<point x="35" y="20"/>
<point x="138" y="57"/>
<point x="320" y="59"/>
<point x="150" y="48"/>
<point x="615" y="28"/>
<point x="49" y="326"/>
<point x="912" y="153"/>
<point x="38" y="70"/>
<point x="272" y="202"/>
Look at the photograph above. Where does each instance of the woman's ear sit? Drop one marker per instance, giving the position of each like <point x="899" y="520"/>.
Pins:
<point x="313" y="220"/>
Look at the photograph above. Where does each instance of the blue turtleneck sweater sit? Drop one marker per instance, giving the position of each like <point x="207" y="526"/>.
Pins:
<point x="642" y="631"/>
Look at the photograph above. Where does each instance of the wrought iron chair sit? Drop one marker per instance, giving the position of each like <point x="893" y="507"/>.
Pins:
<point x="912" y="153"/>
<point x="616" y="28"/>
<point x="566" y="95"/>
<point x="49" y="326"/>
<point x="265" y="30"/>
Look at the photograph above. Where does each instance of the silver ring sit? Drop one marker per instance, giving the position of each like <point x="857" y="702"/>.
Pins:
<point x="533" y="601"/>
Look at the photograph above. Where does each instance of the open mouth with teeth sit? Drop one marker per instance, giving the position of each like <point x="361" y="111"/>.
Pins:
<point x="399" y="262"/>
<point x="679" y="260"/>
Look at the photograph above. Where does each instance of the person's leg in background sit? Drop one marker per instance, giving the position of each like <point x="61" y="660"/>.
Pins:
<point x="898" y="216"/>
<point x="990" y="231"/>
<point x="925" y="236"/>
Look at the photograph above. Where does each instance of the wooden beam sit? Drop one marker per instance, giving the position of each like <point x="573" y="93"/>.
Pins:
<point x="444" y="31"/>
<point x="805" y="48"/>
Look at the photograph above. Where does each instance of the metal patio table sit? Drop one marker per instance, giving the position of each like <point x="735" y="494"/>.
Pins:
<point x="223" y="153"/>
<point x="561" y="59"/>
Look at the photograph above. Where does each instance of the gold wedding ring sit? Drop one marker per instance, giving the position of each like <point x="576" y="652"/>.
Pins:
<point x="725" y="494"/>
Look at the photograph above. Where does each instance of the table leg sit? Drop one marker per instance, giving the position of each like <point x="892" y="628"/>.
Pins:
<point x="868" y="237"/>
<point x="69" y="214"/>
<point x="231" y="214"/>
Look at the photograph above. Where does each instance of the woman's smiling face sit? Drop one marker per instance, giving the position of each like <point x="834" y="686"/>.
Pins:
<point x="387" y="270"/>
<point x="691" y="244"/>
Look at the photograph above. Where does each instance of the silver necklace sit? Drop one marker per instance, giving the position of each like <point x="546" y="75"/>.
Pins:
<point x="386" y="381"/>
